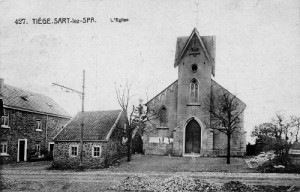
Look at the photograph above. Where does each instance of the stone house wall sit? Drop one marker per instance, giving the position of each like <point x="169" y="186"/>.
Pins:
<point x="62" y="158"/>
<point x="111" y="150"/>
<point x="23" y="125"/>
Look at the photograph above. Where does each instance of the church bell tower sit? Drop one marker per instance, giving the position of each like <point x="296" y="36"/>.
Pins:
<point x="195" y="57"/>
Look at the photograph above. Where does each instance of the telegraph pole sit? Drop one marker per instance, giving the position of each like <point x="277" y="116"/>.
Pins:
<point x="81" y="94"/>
<point x="82" y="123"/>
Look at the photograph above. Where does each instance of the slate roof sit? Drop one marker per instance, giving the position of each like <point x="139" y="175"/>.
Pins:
<point x="97" y="126"/>
<point x="26" y="100"/>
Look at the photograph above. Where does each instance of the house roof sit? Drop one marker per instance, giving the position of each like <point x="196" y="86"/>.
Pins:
<point x="34" y="102"/>
<point x="98" y="125"/>
<point x="207" y="42"/>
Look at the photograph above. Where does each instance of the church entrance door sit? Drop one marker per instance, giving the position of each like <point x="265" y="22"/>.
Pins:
<point x="192" y="137"/>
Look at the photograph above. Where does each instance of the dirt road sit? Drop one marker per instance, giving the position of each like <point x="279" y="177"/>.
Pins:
<point x="102" y="180"/>
<point x="36" y="176"/>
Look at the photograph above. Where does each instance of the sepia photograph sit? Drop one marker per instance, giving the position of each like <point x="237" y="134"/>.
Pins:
<point x="140" y="95"/>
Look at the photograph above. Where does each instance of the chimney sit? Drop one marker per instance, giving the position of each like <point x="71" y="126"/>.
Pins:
<point x="1" y="87"/>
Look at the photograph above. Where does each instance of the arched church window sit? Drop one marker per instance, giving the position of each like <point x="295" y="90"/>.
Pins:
<point x="163" y="118"/>
<point x="194" y="91"/>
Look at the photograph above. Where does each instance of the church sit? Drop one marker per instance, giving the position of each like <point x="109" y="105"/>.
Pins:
<point x="184" y="125"/>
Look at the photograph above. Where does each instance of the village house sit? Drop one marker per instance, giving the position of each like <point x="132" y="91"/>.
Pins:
<point x="102" y="137"/>
<point x="295" y="152"/>
<point x="183" y="124"/>
<point x="28" y="125"/>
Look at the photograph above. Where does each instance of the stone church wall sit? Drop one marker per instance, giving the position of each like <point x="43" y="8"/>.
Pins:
<point x="155" y="141"/>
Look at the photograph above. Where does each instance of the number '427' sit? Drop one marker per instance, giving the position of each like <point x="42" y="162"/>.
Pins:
<point x="20" y="21"/>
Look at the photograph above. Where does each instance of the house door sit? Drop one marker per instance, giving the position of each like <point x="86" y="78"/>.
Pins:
<point x="22" y="150"/>
<point x="51" y="148"/>
<point x="192" y="137"/>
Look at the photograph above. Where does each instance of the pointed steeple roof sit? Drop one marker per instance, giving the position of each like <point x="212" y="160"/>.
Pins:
<point x="206" y="42"/>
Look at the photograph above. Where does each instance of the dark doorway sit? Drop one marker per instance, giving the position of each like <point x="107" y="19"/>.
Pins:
<point x="192" y="137"/>
<point x="21" y="150"/>
<point x="51" y="147"/>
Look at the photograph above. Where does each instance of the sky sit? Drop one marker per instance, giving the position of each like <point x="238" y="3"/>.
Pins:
<point x="257" y="50"/>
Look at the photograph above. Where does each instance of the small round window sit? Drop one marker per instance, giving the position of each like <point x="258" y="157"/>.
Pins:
<point x="194" y="67"/>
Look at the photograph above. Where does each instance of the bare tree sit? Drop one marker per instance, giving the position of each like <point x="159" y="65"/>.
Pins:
<point x="226" y="115"/>
<point x="136" y="117"/>
<point x="295" y="122"/>
<point x="282" y="127"/>
<point x="275" y="135"/>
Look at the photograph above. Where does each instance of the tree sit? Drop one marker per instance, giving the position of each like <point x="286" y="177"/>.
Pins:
<point x="265" y="137"/>
<point x="226" y="115"/>
<point x="275" y="135"/>
<point x="295" y="123"/>
<point x="136" y="118"/>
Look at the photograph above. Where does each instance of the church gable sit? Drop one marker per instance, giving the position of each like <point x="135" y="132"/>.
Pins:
<point x="193" y="44"/>
<point x="217" y="89"/>
<point x="163" y="94"/>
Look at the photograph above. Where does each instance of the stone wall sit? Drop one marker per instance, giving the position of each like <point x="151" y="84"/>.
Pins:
<point x="168" y="99"/>
<point x="23" y="125"/>
<point x="62" y="158"/>
<point x="111" y="150"/>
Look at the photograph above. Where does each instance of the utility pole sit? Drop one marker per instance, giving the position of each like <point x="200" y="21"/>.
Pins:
<point x="82" y="123"/>
<point x="81" y="94"/>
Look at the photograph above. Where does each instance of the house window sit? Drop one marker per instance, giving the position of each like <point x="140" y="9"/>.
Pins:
<point x="5" y="121"/>
<point x="96" y="151"/>
<point x="73" y="151"/>
<point x="163" y="118"/>
<point x="3" y="148"/>
<point x="39" y="125"/>
<point x="194" y="91"/>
